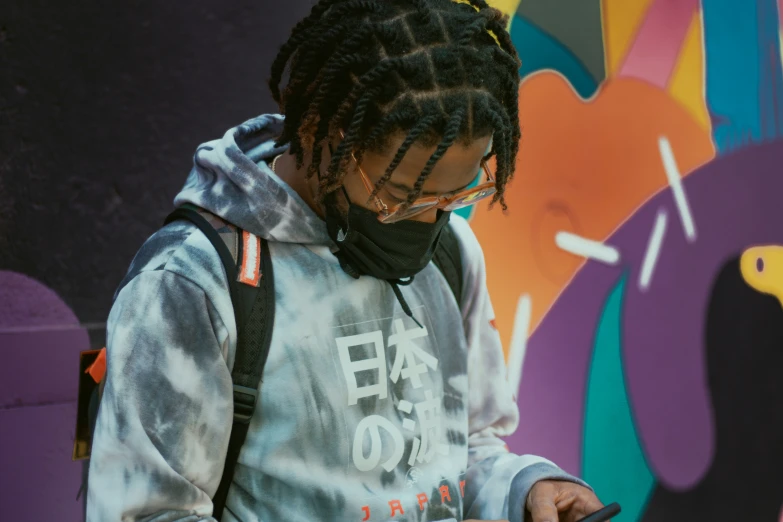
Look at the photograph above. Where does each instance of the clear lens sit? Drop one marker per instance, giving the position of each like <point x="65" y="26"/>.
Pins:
<point x="462" y="201"/>
<point x="413" y="210"/>
<point x="471" y="198"/>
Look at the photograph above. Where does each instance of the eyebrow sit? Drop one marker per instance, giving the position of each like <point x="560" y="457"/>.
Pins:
<point x="405" y="188"/>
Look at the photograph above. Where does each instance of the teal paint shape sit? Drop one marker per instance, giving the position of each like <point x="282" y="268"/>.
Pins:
<point x="613" y="461"/>
<point x="540" y="51"/>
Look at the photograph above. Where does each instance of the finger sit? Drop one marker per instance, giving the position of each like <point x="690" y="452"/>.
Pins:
<point x="543" y="509"/>
<point x="585" y="504"/>
<point x="589" y="503"/>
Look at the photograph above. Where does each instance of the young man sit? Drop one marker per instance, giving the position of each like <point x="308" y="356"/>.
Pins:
<point x="384" y="397"/>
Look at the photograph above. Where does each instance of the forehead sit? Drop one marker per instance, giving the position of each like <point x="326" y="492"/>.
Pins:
<point x="454" y="170"/>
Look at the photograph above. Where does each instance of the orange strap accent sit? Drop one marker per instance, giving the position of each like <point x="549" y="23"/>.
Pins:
<point x="250" y="268"/>
<point x="97" y="369"/>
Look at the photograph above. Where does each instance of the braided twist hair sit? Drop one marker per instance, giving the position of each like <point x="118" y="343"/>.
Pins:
<point x="439" y="72"/>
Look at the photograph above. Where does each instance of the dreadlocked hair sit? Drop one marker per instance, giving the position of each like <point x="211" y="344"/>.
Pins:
<point x="438" y="72"/>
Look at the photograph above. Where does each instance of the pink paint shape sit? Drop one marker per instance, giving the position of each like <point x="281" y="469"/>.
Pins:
<point x="654" y="53"/>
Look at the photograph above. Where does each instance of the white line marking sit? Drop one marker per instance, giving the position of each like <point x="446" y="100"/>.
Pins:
<point x="675" y="182"/>
<point x="516" y="356"/>
<point x="653" y="250"/>
<point x="587" y="248"/>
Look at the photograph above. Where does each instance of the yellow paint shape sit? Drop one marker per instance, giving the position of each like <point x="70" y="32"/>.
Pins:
<point x="507" y="6"/>
<point x="686" y="84"/>
<point x="621" y="21"/>
<point x="762" y="269"/>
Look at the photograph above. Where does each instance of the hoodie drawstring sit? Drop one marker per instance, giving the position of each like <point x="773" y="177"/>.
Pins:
<point x="395" y="284"/>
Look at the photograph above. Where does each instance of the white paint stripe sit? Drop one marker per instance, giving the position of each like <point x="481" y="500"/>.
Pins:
<point x="251" y="258"/>
<point x="675" y="182"/>
<point x="587" y="248"/>
<point x="516" y="355"/>
<point x="653" y="250"/>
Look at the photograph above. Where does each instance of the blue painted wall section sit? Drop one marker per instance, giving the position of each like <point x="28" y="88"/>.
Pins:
<point x="539" y="51"/>
<point x="744" y="81"/>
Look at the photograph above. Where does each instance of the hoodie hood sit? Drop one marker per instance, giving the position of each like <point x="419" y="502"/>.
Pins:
<point x="231" y="179"/>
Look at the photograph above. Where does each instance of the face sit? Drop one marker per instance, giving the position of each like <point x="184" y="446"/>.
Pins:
<point x="457" y="169"/>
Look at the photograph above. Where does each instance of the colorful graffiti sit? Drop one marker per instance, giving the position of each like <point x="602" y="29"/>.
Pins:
<point x="636" y="277"/>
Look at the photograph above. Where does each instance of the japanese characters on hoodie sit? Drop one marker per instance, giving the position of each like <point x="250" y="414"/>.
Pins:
<point x="362" y="414"/>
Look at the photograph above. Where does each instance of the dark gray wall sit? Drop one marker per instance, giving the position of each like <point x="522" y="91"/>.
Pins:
<point x="101" y="107"/>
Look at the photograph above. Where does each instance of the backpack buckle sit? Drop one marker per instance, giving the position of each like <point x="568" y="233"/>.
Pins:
<point x="244" y="403"/>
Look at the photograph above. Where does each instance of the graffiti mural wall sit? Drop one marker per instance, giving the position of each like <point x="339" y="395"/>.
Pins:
<point x="638" y="276"/>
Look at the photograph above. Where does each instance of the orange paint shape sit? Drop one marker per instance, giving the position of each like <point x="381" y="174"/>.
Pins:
<point x="584" y="167"/>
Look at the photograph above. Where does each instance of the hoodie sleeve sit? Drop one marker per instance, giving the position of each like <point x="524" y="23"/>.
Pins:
<point x="498" y="481"/>
<point x="165" y="416"/>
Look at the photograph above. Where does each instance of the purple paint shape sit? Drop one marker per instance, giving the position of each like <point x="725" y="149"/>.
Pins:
<point x="736" y="202"/>
<point x="40" y="341"/>
<point x="39" y="479"/>
<point x="25" y="302"/>
<point x="40" y="367"/>
<point x="551" y="393"/>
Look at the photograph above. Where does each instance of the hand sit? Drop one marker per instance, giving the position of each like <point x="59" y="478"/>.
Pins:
<point x="560" y="501"/>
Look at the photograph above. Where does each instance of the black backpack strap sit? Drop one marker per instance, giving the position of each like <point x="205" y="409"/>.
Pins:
<point x="251" y="355"/>
<point x="224" y="238"/>
<point x="448" y="259"/>
<point x="253" y="299"/>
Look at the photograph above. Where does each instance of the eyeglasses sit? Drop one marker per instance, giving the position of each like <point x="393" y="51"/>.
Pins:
<point x="453" y="201"/>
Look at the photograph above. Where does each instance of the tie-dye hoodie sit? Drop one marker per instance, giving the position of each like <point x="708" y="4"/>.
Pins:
<point x="362" y="415"/>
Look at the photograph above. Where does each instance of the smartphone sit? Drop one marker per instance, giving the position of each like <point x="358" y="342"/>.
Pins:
<point x="604" y="514"/>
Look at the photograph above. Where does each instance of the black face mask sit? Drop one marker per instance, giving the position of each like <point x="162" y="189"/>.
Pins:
<point x="391" y="251"/>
